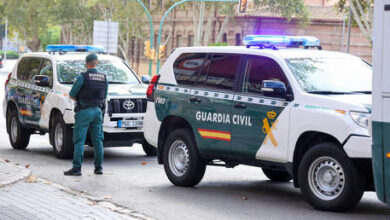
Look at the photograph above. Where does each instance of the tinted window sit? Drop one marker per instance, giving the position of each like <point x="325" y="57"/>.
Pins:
<point x="259" y="69"/>
<point x="47" y="70"/>
<point x="220" y="71"/>
<point x="34" y="68"/>
<point x="22" y="68"/>
<point x="186" y="67"/>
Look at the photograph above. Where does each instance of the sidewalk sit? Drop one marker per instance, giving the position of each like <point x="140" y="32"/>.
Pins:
<point x="11" y="173"/>
<point x="35" y="198"/>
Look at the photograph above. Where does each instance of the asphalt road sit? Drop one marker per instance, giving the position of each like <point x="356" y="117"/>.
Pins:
<point x="240" y="193"/>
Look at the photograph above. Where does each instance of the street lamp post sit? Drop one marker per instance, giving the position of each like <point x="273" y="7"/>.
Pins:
<point x="166" y="14"/>
<point x="151" y="32"/>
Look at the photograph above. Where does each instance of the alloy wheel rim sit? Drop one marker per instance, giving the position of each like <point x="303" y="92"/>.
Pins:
<point x="179" y="158"/>
<point x="14" y="129"/>
<point x="58" y="137"/>
<point x="326" y="178"/>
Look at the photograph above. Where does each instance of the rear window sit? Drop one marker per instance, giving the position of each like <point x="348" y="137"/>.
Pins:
<point x="187" y="66"/>
<point x="22" y="68"/>
<point x="220" y="72"/>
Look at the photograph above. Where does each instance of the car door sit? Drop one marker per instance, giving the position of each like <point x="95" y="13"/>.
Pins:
<point x="33" y="93"/>
<point x="20" y="92"/>
<point x="260" y="123"/>
<point x="211" y="102"/>
<point x="40" y="92"/>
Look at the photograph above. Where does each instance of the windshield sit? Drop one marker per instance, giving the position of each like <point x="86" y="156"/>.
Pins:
<point x="116" y="71"/>
<point x="332" y="75"/>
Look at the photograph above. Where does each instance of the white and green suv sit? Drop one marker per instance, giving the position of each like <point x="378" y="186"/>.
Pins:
<point x="296" y="113"/>
<point x="37" y="99"/>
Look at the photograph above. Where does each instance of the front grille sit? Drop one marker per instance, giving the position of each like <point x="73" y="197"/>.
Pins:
<point x="121" y="106"/>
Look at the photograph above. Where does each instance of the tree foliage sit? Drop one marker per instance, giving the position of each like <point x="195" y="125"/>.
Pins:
<point x="362" y="11"/>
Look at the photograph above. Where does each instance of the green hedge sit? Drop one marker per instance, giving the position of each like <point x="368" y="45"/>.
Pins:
<point x="10" y="54"/>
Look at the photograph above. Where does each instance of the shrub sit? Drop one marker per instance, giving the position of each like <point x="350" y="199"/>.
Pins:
<point x="10" y="54"/>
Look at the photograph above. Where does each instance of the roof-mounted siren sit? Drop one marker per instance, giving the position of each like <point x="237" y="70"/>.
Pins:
<point x="276" y="41"/>
<point x="62" y="49"/>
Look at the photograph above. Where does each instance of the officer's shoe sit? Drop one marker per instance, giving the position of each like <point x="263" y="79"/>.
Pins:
<point x="98" y="170"/>
<point x="73" y="172"/>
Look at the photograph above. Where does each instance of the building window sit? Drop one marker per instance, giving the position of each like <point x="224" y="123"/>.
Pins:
<point x="190" y="40"/>
<point x="238" y="39"/>
<point x="224" y="38"/>
<point x="179" y="41"/>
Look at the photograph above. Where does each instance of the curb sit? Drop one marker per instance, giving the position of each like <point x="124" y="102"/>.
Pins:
<point x="22" y="174"/>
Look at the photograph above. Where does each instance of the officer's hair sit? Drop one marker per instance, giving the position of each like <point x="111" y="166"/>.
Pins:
<point x="92" y="63"/>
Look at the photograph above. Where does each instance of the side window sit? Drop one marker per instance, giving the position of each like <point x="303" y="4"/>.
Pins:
<point x="186" y="67"/>
<point x="259" y="69"/>
<point x="220" y="72"/>
<point x="34" y="69"/>
<point x="47" y="70"/>
<point x="23" y="68"/>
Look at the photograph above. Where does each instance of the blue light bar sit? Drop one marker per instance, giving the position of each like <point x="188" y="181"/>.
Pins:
<point x="273" y="41"/>
<point x="75" y="48"/>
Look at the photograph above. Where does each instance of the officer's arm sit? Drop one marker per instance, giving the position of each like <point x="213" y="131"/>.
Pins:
<point x="76" y="87"/>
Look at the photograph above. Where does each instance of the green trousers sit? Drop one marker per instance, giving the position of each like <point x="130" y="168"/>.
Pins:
<point x="89" y="119"/>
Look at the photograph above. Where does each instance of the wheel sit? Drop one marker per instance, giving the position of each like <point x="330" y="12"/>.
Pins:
<point x="149" y="150"/>
<point x="276" y="175"/>
<point x="62" y="138"/>
<point x="329" y="180"/>
<point x="182" y="163"/>
<point x="18" y="135"/>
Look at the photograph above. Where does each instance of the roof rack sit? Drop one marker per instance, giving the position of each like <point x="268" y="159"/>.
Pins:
<point x="63" y="49"/>
<point x="276" y="41"/>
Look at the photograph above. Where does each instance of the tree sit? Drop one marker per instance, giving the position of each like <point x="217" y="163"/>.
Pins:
<point x="28" y="18"/>
<point x="362" y="11"/>
<point x="76" y="19"/>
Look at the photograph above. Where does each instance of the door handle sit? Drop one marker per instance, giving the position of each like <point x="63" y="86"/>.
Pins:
<point x="195" y="99"/>
<point x="239" y="105"/>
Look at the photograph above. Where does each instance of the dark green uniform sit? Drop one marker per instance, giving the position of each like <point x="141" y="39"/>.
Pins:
<point x="89" y="118"/>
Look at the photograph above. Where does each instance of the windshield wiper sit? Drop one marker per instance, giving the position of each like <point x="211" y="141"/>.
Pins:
<point x="328" y="92"/>
<point x="67" y="82"/>
<point x="363" y="92"/>
<point x="116" y="82"/>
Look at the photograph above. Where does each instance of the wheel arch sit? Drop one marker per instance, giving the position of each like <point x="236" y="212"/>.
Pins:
<point x="168" y="125"/>
<point x="306" y="141"/>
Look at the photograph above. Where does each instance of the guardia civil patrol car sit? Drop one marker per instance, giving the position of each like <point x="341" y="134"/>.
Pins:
<point x="299" y="114"/>
<point x="37" y="99"/>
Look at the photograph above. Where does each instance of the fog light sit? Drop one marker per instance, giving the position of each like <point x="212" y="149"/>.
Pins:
<point x="388" y="155"/>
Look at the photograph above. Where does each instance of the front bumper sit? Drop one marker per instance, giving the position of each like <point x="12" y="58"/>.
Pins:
<point x="358" y="146"/>
<point x="122" y="139"/>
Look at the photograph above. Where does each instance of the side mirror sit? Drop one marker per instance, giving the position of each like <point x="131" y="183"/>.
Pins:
<point x="146" y="79"/>
<point x="274" y="88"/>
<point x="41" y="80"/>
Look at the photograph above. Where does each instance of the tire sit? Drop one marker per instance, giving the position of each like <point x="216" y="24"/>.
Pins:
<point x="149" y="150"/>
<point x="19" y="136"/>
<point x="277" y="175"/>
<point x="342" y="184"/>
<point x="180" y="145"/>
<point x="62" y="138"/>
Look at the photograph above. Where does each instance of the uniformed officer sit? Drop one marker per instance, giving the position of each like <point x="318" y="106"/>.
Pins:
<point x="90" y="91"/>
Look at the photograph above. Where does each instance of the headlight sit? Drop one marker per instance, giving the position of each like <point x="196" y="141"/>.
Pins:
<point x="360" y="118"/>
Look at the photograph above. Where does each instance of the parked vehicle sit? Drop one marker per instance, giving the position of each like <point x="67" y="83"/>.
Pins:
<point x="299" y="114"/>
<point x="37" y="101"/>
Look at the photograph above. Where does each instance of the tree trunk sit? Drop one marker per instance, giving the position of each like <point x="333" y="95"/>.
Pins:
<point x="34" y="44"/>
<point x="223" y="28"/>
<point x="195" y="18"/>
<point x="199" y="31"/>
<point x="210" y="19"/>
